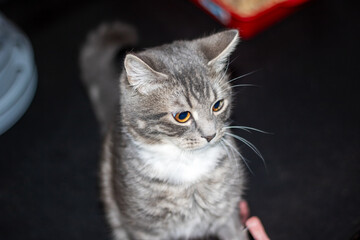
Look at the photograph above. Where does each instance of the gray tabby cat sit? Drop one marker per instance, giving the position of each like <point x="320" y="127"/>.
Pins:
<point x="168" y="170"/>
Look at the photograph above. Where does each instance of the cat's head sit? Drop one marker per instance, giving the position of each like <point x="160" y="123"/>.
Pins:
<point x="179" y="93"/>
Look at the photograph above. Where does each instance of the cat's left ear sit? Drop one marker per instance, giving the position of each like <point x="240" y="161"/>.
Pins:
<point x="218" y="47"/>
<point x="141" y="76"/>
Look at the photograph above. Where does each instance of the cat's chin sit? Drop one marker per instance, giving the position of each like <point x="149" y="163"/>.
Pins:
<point x="198" y="147"/>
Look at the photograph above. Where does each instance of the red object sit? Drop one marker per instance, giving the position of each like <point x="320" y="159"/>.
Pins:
<point x="249" y="26"/>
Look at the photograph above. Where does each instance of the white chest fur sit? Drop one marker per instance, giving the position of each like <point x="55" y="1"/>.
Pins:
<point x="169" y="163"/>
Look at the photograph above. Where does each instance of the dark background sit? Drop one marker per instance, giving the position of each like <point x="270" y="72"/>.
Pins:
<point x="308" y="97"/>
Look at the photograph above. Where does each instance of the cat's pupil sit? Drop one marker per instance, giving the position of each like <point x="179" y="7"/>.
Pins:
<point x="183" y="115"/>
<point x="217" y="104"/>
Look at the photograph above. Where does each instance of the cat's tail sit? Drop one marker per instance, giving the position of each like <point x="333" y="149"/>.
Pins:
<point x="100" y="70"/>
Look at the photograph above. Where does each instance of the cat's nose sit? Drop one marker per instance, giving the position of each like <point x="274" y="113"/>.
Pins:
<point x="209" y="138"/>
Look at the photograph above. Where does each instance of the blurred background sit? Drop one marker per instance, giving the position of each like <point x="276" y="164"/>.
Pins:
<point x="307" y="97"/>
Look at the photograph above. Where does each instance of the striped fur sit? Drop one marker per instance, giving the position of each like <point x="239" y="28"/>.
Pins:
<point x="162" y="179"/>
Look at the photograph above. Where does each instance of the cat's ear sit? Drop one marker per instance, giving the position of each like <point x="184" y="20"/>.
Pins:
<point x="141" y="76"/>
<point x="218" y="47"/>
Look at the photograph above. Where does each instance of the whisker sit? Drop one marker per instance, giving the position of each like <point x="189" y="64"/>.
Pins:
<point x="250" y="145"/>
<point x="231" y="127"/>
<point x="241" y="156"/>
<point x="244" y="85"/>
<point x="227" y="152"/>
<point x="244" y="75"/>
<point x="239" y="77"/>
<point x="234" y="59"/>
<point x="248" y="129"/>
<point x="226" y="69"/>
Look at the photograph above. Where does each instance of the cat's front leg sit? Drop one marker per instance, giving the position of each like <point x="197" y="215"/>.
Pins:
<point x="232" y="229"/>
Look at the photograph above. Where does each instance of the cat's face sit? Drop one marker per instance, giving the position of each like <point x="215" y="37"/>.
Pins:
<point x="197" y="113"/>
<point x="179" y="93"/>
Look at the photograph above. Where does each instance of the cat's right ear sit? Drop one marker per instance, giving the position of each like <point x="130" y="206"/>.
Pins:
<point x="218" y="47"/>
<point x="141" y="76"/>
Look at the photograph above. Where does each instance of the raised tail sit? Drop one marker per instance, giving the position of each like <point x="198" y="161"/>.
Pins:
<point x="99" y="70"/>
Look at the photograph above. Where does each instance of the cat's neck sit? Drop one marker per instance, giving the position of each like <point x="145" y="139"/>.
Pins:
<point x="171" y="164"/>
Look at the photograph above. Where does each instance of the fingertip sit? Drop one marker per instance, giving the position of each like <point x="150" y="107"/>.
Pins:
<point x="244" y="211"/>
<point x="256" y="229"/>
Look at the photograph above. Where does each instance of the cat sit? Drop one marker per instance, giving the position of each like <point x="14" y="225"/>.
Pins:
<point x="168" y="168"/>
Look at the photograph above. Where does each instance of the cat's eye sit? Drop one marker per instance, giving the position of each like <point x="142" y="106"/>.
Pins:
<point x="182" y="117"/>
<point x="218" y="105"/>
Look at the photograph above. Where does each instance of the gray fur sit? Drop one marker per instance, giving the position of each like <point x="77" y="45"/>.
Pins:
<point x="98" y="71"/>
<point x="162" y="179"/>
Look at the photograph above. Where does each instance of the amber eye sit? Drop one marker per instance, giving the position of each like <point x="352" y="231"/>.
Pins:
<point x="182" y="117"/>
<point x="218" y="105"/>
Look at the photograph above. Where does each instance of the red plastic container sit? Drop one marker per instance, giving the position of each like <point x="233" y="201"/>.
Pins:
<point x="249" y="26"/>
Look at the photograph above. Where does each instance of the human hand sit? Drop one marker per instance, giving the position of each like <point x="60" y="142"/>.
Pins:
<point x="253" y="224"/>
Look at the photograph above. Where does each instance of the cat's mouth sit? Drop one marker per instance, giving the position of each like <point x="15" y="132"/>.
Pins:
<point x="201" y="144"/>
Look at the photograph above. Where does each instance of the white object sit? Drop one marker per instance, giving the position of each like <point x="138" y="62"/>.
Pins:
<point x="18" y="76"/>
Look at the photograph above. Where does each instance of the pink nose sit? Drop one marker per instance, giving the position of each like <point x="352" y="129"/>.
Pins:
<point x="209" y="138"/>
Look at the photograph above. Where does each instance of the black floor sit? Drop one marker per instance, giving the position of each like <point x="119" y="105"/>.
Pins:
<point x="308" y="97"/>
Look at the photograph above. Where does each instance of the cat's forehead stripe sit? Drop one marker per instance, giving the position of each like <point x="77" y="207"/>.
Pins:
<point x="214" y="93"/>
<point x="186" y="93"/>
<point x="194" y="91"/>
<point x="207" y="90"/>
<point x="188" y="101"/>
